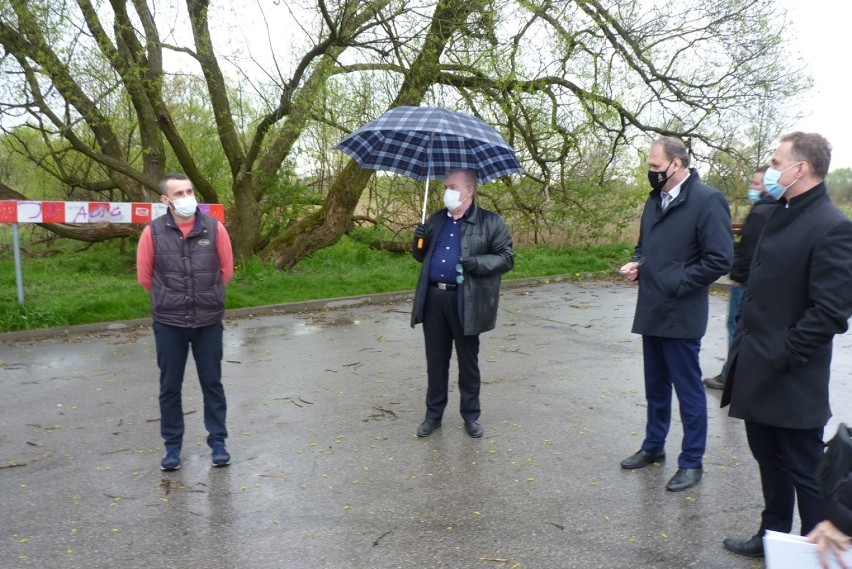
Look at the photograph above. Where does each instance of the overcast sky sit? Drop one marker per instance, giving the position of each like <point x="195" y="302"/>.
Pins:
<point x="823" y="38"/>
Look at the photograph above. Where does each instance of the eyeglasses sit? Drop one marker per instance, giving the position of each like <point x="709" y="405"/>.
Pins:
<point x="459" y="276"/>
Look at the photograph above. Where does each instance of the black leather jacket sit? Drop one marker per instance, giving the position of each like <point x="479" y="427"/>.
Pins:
<point x="484" y="237"/>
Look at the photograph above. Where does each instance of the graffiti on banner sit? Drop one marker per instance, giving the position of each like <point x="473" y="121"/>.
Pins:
<point x="12" y="211"/>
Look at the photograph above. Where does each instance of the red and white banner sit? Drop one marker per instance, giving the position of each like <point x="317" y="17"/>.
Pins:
<point x="91" y="212"/>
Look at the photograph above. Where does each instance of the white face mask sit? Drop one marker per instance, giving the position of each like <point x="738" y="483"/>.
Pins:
<point x="451" y="199"/>
<point x="185" y="207"/>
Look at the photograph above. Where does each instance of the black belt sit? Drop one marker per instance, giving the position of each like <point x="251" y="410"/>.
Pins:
<point x="445" y="286"/>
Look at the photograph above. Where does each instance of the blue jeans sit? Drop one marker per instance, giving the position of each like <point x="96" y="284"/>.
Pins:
<point x="173" y="345"/>
<point x="735" y="303"/>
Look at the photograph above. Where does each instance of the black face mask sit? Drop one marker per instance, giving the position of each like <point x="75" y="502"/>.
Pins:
<point x="659" y="179"/>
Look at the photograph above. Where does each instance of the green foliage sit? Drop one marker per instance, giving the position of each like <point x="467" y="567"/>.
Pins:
<point x="347" y="268"/>
<point x="71" y="287"/>
<point x="839" y="184"/>
<point x="578" y="262"/>
<point x="287" y="198"/>
<point x="575" y="211"/>
<point x="99" y="284"/>
<point x="575" y="88"/>
<point x="190" y="107"/>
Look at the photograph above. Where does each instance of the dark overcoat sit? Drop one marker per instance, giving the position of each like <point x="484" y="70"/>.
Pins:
<point x="799" y="296"/>
<point x="839" y="508"/>
<point x="484" y="237"/>
<point x="752" y="229"/>
<point x="683" y="250"/>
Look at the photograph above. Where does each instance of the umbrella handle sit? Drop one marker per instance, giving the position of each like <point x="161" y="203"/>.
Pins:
<point x="426" y="189"/>
<point x="423" y="214"/>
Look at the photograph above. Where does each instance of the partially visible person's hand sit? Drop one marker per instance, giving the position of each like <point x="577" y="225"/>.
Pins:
<point x="420" y="231"/>
<point x="630" y="271"/>
<point x="827" y="538"/>
<point x="469" y="264"/>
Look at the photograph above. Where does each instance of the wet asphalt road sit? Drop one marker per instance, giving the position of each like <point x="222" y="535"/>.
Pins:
<point x="327" y="470"/>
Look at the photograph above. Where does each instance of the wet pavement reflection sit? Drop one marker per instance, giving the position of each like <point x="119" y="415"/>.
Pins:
<point x="327" y="469"/>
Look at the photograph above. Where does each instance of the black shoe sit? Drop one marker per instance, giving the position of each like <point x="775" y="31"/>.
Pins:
<point x="426" y="427"/>
<point x="473" y="428"/>
<point x="684" y="478"/>
<point x="717" y="382"/>
<point x="642" y="459"/>
<point x="746" y="547"/>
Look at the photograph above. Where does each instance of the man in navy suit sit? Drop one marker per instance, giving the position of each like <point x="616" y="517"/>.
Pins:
<point x="685" y="244"/>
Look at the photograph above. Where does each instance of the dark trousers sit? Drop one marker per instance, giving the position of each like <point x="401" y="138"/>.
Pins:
<point x="173" y="345"/>
<point x="442" y="327"/>
<point x="673" y="362"/>
<point x="788" y="461"/>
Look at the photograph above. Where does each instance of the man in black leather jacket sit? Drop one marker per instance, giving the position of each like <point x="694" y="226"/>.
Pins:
<point x="464" y="250"/>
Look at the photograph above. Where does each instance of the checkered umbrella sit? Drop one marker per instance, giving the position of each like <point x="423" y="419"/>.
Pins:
<point x="427" y="142"/>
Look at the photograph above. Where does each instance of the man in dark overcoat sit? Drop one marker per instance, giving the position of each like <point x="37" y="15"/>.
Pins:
<point x="685" y="244"/>
<point x="799" y="296"/>
<point x="752" y="227"/>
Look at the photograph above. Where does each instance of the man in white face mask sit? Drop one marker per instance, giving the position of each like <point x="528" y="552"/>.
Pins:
<point x="184" y="259"/>
<point x="464" y="250"/>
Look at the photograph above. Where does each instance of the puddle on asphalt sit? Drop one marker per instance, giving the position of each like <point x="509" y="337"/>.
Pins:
<point x="304" y="329"/>
<point x="319" y="323"/>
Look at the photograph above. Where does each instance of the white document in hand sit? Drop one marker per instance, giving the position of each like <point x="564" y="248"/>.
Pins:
<point x="785" y="551"/>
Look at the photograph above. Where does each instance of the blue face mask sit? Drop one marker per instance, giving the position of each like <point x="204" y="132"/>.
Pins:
<point x="770" y="181"/>
<point x="754" y="195"/>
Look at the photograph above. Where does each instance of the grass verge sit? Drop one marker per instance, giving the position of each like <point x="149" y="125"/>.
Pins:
<point x="71" y="286"/>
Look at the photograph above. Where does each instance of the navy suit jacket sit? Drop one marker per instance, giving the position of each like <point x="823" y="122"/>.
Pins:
<point x="685" y="249"/>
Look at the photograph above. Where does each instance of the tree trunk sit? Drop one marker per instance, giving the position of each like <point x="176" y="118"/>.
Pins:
<point x="325" y="226"/>
<point x="243" y="219"/>
<point x="93" y="232"/>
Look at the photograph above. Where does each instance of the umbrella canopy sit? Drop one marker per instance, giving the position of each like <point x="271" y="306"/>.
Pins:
<point x="427" y="142"/>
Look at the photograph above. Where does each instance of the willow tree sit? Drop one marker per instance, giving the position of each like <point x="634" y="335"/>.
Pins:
<point x="572" y="84"/>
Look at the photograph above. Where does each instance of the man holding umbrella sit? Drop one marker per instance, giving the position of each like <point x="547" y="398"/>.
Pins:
<point x="464" y="250"/>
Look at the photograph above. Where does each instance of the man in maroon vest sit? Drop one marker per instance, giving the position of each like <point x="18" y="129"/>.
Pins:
<point x="184" y="259"/>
